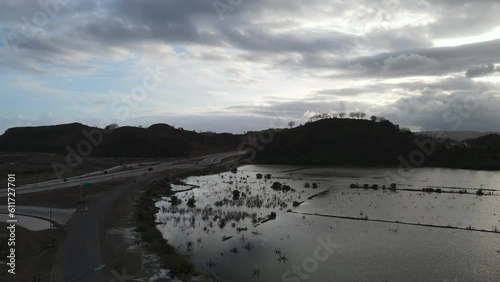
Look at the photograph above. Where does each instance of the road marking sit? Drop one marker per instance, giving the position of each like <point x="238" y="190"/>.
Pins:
<point x="88" y="273"/>
<point x="124" y="277"/>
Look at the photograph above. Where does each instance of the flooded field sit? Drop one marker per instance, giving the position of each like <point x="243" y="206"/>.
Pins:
<point x="283" y="223"/>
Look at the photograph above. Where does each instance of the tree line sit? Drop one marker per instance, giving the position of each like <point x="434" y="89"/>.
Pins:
<point x="341" y="115"/>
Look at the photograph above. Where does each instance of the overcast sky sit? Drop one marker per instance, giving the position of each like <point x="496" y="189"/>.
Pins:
<point x="239" y="65"/>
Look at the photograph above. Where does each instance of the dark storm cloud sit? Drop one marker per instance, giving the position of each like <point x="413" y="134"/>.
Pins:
<point x="17" y="12"/>
<point x="197" y="23"/>
<point x="428" y="61"/>
<point x="164" y="21"/>
<point x="120" y="23"/>
<point x="481" y="71"/>
<point x="254" y="39"/>
<point x="128" y="24"/>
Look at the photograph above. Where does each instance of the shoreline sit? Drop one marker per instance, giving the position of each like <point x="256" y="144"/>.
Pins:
<point x="145" y="222"/>
<point x="315" y="165"/>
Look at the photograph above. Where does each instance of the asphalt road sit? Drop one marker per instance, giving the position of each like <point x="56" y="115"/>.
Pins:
<point x="29" y="222"/>
<point x="60" y="216"/>
<point x="79" y="257"/>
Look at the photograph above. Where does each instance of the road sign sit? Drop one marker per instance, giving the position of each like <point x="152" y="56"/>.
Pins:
<point x="87" y="184"/>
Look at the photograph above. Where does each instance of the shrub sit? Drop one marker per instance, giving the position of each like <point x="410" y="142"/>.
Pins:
<point x="480" y="192"/>
<point x="276" y="185"/>
<point x="222" y="223"/>
<point x="374" y="186"/>
<point x="191" y="202"/>
<point x="315" y="185"/>
<point x="259" y="175"/>
<point x="307" y="185"/>
<point x="236" y="194"/>
<point x="286" y="188"/>
<point x="352" y="186"/>
<point x="267" y="176"/>
<point x="366" y="186"/>
<point x="174" y="200"/>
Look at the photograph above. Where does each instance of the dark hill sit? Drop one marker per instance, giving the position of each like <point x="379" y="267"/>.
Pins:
<point x="159" y="140"/>
<point x="339" y="141"/>
<point x="48" y="139"/>
<point x="458" y="135"/>
<point x="490" y="141"/>
<point x="479" y="153"/>
<point x="328" y="141"/>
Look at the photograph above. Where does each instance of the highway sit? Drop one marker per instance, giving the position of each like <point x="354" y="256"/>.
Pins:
<point x="120" y="172"/>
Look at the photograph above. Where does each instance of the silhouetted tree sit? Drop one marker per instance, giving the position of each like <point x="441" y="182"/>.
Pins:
<point x="342" y="115"/>
<point x="112" y="126"/>
<point x="373" y="118"/>
<point x="291" y="123"/>
<point x="352" y="115"/>
<point x="362" y="115"/>
<point x="319" y="117"/>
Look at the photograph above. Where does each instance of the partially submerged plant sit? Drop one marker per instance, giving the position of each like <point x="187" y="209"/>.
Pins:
<point x="191" y="202"/>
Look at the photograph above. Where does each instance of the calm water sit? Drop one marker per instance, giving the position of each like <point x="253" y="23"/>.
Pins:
<point x="296" y="247"/>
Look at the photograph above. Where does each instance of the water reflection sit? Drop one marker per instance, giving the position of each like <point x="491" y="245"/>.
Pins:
<point x="249" y="236"/>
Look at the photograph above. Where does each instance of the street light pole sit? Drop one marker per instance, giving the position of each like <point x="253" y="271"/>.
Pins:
<point x="81" y="190"/>
<point x="50" y="218"/>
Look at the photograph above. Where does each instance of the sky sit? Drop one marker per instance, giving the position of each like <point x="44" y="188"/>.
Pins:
<point x="240" y="65"/>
